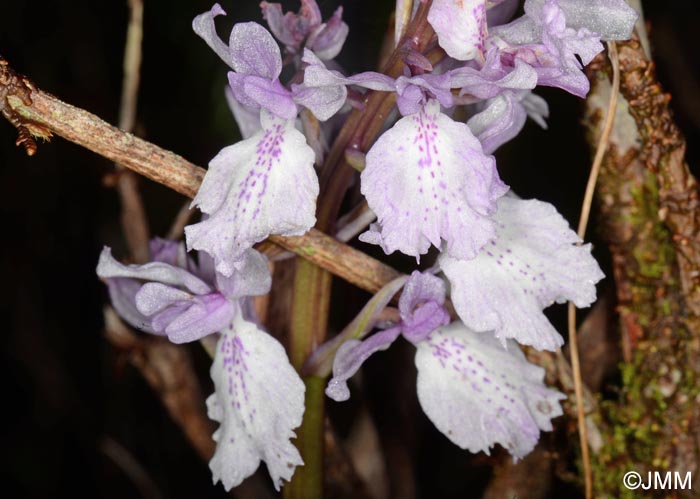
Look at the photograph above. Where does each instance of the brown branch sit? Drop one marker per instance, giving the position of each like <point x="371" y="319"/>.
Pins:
<point x="649" y="213"/>
<point x="664" y="154"/>
<point x="175" y="172"/>
<point x="169" y="371"/>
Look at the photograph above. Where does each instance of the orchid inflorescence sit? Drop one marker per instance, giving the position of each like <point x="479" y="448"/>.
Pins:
<point x="431" y="180"/>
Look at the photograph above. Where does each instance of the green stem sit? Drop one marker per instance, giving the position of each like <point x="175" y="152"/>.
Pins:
<point x="312" y="294"/>
<point x="312" y="284"/>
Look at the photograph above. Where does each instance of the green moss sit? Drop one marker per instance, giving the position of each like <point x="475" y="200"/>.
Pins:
<point x="637" y="437"/>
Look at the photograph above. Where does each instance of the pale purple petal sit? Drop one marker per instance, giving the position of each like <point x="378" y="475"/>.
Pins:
<point x="184" y="317"/>
<point x="252" y="278"/>
<point x="292" y="29"/>
<point x="160" y="320"/>
<point x="544" y="39"/>
<point x="610" y="19"/>
<point x="411" y="95"/>
<point x="536" y="108"/>
<point x="272" y="13"/>
<point x="167" y="251"/>
<point x="411" y="100"/>
<point x="154" y="297"/>
<point x="421" y="287"/>
<point x="521" y="31"/>
<point x="247" y="118"/>
<point x="421" y="306"/>
<point x="500" y="122"/>
<point x="428" y="181"/>
<point x="479" y="394"/>
<point x="323" y="91"/>
<point x="460" y="26"/>
<point x="205" y="27"/>
<point x="564" y="44"/>
<point x="323" y="102"/>
<point x="533" y="262"/>
<point x="316" y="74"/>
<point x="259" y="401"/>
<point x="108" y="268"/>
<point x="372" y="81"/>
<point x="122" y="294"/>
<point x="254" y="51"/>
<point x="328" y="39"/>
<point x="268" y="94"/>
<point x="426" y="319"/>
<point x="260" y="186"/>
<point x="493" y="78"/>
<point x="236" y="82"/>
<point x="350" y="357"/>
<point x="203" y="316"/>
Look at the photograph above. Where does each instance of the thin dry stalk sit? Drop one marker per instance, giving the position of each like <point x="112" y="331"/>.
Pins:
<point x="583" y="224"/>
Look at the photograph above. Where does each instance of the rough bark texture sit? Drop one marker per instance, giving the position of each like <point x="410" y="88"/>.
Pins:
<point x="648" y="202"/>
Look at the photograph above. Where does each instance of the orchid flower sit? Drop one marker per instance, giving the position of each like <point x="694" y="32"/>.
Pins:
<point x="246" y="182"/>
<point x="259" y="397"/>
<point x="534" y="261"/>
<point x="475" y="391"/>
<point x="426" y="178"/>
<point x="552" y="33"/>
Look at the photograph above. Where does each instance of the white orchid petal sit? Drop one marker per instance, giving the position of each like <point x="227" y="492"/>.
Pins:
<point x="479" y="394"/>
<point x="533" y="262"/>
<point x="259" y="401"/>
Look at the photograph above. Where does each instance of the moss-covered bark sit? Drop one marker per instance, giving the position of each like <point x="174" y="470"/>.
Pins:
<point x="647" y="199"/>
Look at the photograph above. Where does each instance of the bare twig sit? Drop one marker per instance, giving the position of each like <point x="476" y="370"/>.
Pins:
<point x="602" y="142"/>
<point x="583" y="224"/>
<point x="133" y="215"/>
<point x="175" y="172"/>
<point x="177" y="229"/>
<point x="131" y="467"/>
<point x="132" y="66"/>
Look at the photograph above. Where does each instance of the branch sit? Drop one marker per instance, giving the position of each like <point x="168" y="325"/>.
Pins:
<point x="169" y="371"/>
<point x="175" y="172"/>
<point x="648" y="204"/>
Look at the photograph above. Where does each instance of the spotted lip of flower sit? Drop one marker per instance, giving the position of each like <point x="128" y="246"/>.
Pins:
<point x="263" y="185"/>
<point x="259" y="397"/>
<point x="534" y="261"/>
<point x="259" y="400"/>
<point x="475" y="391"/>
<point x="428" y="180"/>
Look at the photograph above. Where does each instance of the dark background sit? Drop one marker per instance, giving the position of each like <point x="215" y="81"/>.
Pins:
<point x="64" y="389"/>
